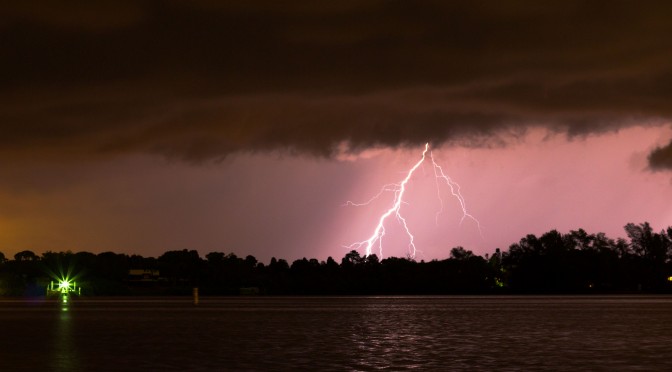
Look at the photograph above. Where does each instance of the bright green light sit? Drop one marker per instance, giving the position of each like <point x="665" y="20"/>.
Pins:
<point x="63" y="285"/>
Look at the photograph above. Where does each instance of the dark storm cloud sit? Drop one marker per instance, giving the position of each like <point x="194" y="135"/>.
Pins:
<point x="661" y="158"/>
<point x="203" y="79"/>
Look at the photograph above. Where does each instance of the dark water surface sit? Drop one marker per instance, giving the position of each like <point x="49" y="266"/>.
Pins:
<point x="338" y="333"/>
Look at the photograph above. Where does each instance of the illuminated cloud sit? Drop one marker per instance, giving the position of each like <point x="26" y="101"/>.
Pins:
<point x="201" y="80"/>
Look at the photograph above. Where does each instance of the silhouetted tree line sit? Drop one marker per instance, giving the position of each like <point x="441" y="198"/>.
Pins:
<point x="576" y="262"/>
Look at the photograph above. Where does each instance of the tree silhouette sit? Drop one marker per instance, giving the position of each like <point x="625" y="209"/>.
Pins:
<point x="575" y="262"/>
<point x="653" y="254"/>
<point x="26" y="256"/>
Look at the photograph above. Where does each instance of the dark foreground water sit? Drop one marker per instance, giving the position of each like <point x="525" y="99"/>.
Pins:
<point x="330" y="333"/>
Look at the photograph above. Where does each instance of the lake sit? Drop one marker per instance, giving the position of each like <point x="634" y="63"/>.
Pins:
<point x="338" y="333"/>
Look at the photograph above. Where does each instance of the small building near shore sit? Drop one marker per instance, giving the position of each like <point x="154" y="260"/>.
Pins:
<point x="249" y="291"/>
<point x="143" y="276"/>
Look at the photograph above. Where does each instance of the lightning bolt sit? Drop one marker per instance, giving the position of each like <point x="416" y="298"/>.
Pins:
<point x="399" y="189"/>
<point x="455" y="190"/>
<point x="389" y="187"/>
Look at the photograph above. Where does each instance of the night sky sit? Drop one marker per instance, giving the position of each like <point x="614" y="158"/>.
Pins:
<point x="147" y="126"/>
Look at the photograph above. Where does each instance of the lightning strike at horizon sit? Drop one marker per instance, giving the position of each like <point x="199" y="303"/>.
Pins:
<point x="399" y="191"/>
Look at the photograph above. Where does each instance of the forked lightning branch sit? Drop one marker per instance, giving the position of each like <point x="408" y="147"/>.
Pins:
<point x="399" y="189"/>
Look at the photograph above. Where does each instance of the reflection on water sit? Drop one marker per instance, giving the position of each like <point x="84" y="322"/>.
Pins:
<point x="64" y="347"/>
<point x="351" y="333"/>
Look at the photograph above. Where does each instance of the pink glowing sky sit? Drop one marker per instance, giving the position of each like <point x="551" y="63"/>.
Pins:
<point x="292" y="207"/>
<point x="139" y="126"/>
